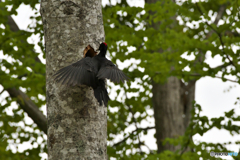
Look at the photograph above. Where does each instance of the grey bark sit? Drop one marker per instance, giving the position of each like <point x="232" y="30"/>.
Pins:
<point x="172" y="103"/>
<point x="77" y="125"/>
<point x="187" y="98"/>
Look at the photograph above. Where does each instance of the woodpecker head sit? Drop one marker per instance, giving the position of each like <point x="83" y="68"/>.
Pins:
<point x="103" y="47"/>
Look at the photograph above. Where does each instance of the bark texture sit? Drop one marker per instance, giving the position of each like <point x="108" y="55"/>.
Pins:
<point x="172" y="103"/>
<point x="77" y="125"/>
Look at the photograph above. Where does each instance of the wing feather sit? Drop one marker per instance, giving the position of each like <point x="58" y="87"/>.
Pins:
<point x="61" y="73"/>
<point x="81" y="72"/>
<point x="64" y="79"/>
<point x="110" y="71"/>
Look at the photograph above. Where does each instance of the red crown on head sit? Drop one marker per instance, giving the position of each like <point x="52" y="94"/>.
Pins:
<point x="105" y="43"/>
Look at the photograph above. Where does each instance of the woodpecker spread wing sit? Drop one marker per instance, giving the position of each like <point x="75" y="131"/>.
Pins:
<point x="110" y="71"/>
<point x="81" y="72"/>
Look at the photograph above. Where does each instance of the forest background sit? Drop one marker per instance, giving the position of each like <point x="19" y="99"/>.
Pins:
<point x="132" y="45"/>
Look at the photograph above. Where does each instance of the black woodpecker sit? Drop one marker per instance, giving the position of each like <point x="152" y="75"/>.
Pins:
<point x="92" y="71"/>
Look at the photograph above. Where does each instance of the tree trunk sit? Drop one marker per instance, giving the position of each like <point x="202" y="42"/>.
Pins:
<point x="77" y="125"/>
<point x="172" y="103"/>
<point x="168" y="112"/>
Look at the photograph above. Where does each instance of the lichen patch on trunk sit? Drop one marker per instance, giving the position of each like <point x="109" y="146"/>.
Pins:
<point x="77" y="125"/>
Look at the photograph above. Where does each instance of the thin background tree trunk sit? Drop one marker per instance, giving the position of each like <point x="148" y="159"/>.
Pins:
<point x="77" y="125"/>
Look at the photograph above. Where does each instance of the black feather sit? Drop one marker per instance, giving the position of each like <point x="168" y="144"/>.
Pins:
<point x="92" y="71"/>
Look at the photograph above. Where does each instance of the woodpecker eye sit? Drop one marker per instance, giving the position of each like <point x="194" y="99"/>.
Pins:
<point x="105" y="43"/>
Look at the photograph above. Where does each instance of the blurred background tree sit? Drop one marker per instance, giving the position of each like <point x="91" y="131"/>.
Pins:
<point x="162" y="47"/>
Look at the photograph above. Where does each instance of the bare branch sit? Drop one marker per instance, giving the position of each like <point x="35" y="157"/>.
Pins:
<point x="227" y="79"/>
<point x="220" y="14"/>
<point x="132" y="133"/>
<point x="216" y="77"/>
<point x="14" y="27"/>
<point x="230" y="33"/>
<point x="222" y="66"/>
<point x="29" y="107"/>
<point x="219" y="35"/>
<point x="217" y="19"/>
<point x="151" y="151"/>
<point x="12" y="24"/>
<point x="135" y="122"/>
<point x="24" y="101"/>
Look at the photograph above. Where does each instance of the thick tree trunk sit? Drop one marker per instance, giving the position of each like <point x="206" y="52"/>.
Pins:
<point x="172" y="103"/>
<point x="77" y="125"/>
<point x="187" y="98"/>
<point x="168" y="112"/>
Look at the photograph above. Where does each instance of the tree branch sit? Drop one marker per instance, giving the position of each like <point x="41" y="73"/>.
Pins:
<point x="218" y="34"/>
<point x="220" y="13"/>
<point x="14" y="27"/>
<point x="124" y="139"/>
<point x="230" y="33"/>
<point x="29" y="107"/>
<point x="24" y="101"/>
<point x="221" y="66"/>
<point x="135" y="122"/>
<point x="216" y="77"/>
<point x="217" y="19"/>
<point x="227" y="79"/>
<point x="12" y="24"/>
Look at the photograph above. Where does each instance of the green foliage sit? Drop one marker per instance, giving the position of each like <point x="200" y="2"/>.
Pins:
<point x="19" y="69"/>
<point x="156" y="53"/>
<point x="201" y="125"/>
<point x="158" y="42"/>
